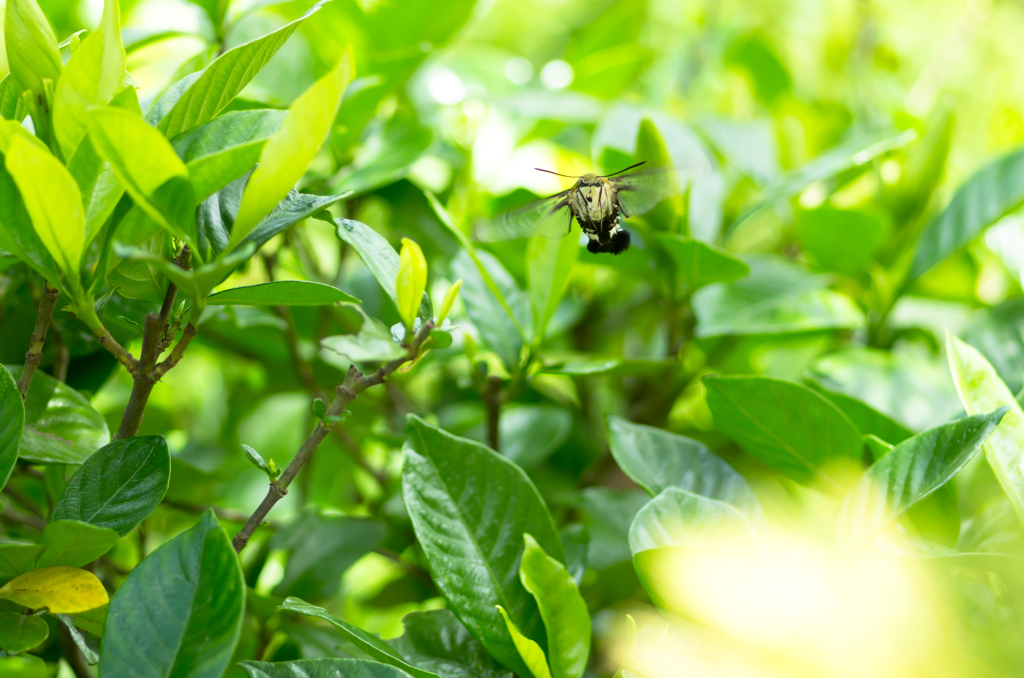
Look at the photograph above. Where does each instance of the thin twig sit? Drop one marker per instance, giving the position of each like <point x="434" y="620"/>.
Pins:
<point x="35" y="346"/>
<point x="355" y="383"/>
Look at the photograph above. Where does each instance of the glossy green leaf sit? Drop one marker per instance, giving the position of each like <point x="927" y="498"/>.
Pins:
<point x="867" y="419"/>
<point x="198" y="98"/>
<point x="994" y="191"/>
<point x="321" y="668"/>
<point x="92" y="77"/>
<point x="118" y="486"/>
<point x="576" y="542"/>
<point x="386" y="158"/>
<point x="146" y="164"/>
<point x="561" y="607"/>
<point x="287" y="153"/>
<point x="60" y="425"/>
<point x="437" y="641"/>
<point x="657" y="460"/>
<point x="370" y="644"/>
<point x="61" y="589"/>
<point x="19" y="632"/>
<point x="529" y="434"/>
<point x="548" y="263"/>
<point x="32" y="52"/>
<point x="464" y="500"/>
<point x="60" y="224"/>
<point x="12" y="423"/>
<point x="281" y="293"/>
<point x="529" y="651"/>
<point x="17" y="559"/>
<point x="776" y="298"/>
<point x="842" y="240"/>
<point x="981" y="390"/>
<point x="72" y="543"/>
<point x="225" y="148"/>
<point x="180" y="610"/>
<point x="910" y="472"/>
<point x="787" y="426"/>
<point x="698" y="264"/>
<point x="485" y="310"/>
<point x="680" y="518"/>
<point x="372" y="343"/>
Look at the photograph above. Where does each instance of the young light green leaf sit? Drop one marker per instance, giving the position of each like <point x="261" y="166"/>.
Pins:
<point x="21" y="632"/>
<point x="411" y="282"/>
<point x="981" y="390"/>
<point x="72" y="543"/>
<point x="548" y="263"/>
<point x="93" y="76"/>
<point x="657" y="460"/>
<point x="561" y="607"/>
<point x="281" y="293"/>
<point x="198" y="98"/>
<point x="289" y="151"/>
<point x="17" y="235"/>
<point x="12" y="423"/>
<point x="371" y="645"/>
<point x="60" y="224"/>
<point x="787" y="426"/>
<point x="464" y="499"/>
<point x="32" y="52"/>
<point x="527" y="648"/>
<point x="61" y="589"/>
<point x="118" y="486"/>
<point x="910" y="472"/>
<point x="180" y="610"/>
<point x="449" y="300"/>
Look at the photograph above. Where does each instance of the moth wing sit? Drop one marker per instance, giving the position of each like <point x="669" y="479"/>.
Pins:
<point x="550" y="217"/>
<point x="638" y="192"/>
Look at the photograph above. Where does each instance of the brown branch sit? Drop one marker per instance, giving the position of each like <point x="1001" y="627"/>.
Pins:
<point x="493" y="397"/>
<point x="35" y="346"/>
<point x="355" y="383"/>
<point x="144" y="378"/>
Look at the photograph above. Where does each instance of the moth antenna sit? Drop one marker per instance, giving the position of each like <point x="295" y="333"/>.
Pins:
<point x="625" y="170"/>
<point x="567" y="176"/>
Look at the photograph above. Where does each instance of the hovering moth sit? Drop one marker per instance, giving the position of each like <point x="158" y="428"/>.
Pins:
<point x="598" y="203"/>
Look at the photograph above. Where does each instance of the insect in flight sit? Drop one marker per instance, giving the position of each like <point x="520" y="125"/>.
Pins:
<point x="597" y="203"/>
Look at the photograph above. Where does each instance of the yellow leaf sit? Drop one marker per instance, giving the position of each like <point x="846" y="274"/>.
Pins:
<point x="64" y="590"/>
<point x="411" y="282"/>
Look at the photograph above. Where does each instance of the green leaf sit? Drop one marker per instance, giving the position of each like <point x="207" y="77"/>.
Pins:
<point x="485" y="310"/>
<point x="529" y="434"/>
<point x="561" y="607"/>
<point x="411" y="281"/>
<point x="657" y="460"/>
<point x="92" y="77"/>
<point x="289" y="151"/>
<point x="584" y="365"/>
<point x="787" y="426"/>
<point x="72" y="543"/>
<point x="146" y="164"/>
<point x="91" y="657"/>
<point x="842" y="240"/>
<point x="195" y="283"/>
<point x="321" y="668"/>
<point x="380" y="257"/>
<point x="61" y="427"/>
<point x="998" y="332"/>
<point x="609" y="513"/>
<point x="548" y="263"/>
<point x="776" y="298"/>
<point x="981" y="390"/>
<point x="180" y="610"/>
<point x="371" y="645"/>
<point x="225" y="148"/>
<point x="12" y="423"/>
<point x="698" y="264"/>
<point x="17" y="235"/>
<point x="911" y="471"/>
<point x="140" y="279"/>
<point x="17" y="559"/>
<point x="201" y="96"/>
<point x="372" y="344"/>
<point x="61" y="589"/>
<point x="867" y="419"/>
<point x="321" y="548"/>
<point x="991" y="193"/>
<point x="24" y="666"/>
<point x="32" y="52"/>
<point x="528" y="649"/>
<point x="19" y="632"/>
<point x="465" y="500"/>
<point x="60" y="224"/>
<point x="437" y="641"/>
<point x="281" y="293"/>
<point x="387" y="157"/>
<point x="100" y="189"/>
<point x="680" y="518"/>
<point x="118" y="486"/>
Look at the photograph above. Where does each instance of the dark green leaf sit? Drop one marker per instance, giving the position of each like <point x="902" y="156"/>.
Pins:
<point x="576" y="541"/>
<point x="19" y="632"/>
<point x="485" y="310"/>
<point x="180" y="610"/>
<point x="657" y="460"/>
<point x="12" y="423"/>
<point x="118" y="486"/>
<point x="529" y="434"/>
<point x="787" y="426"/>
<point x="72" y="543"/>
<point x="61" y="426"/>
<point x="465" y="500"/>
<point x="322" y="668"/>
<point x="281" y="293"/>
<point x="437" y="641"/>
<point x="912" y="471"/>
<point x="998" y="332"/>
